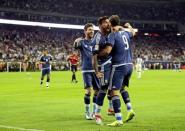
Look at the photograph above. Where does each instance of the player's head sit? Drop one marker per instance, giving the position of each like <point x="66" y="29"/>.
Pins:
<point x="89" y="30"/>
<point x="114" y="20"/>
<point x="104" y="24"/>
<point x="45" y="51"/>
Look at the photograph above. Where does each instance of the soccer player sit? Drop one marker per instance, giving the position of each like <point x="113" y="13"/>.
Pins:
<point x="99" y="41"/>
<point x="73" y="59"/>
<point x="90" y="80"/>
<point x="139" y="62"/>
<point x="46" y="67"/>
<point x="119" y="46"/>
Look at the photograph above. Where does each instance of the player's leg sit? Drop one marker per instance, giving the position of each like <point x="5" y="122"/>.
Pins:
<point x="88" y="91"/>
<point x="139" y="71"/>
<point x="87" y="100"/>
<point x="110" y="110"/>
<point x="99" y="101"/>
<point x="72" y="73"/>
<point x="125" y="94"/>
<point x="116" y="81"/>
<point x="96" y="88"/>
<point x="43" y="73"/>
<point x="74" y="69"/>
<point x="107" y="74"/>
<point x="48" y="78"/>
<point x="103" y="91"/>
<point x="117" y="108"/>
<point x="94" y="102"/>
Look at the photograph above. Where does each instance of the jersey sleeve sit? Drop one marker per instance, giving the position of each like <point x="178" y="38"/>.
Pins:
<point x="78" y="45"/>
<point x="41" y="59"/>
<point x="51" y="58"/>
<point x="111" y="39"/>
<point x="95" y="43"/>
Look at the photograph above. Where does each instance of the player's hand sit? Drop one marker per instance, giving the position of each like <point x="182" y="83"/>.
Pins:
<point x="99" y="74"/>
<point x="78" y="40"/>
<point x="127" y="25"/>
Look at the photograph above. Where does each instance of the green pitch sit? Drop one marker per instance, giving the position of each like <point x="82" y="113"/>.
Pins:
<point x="158" y="100"/>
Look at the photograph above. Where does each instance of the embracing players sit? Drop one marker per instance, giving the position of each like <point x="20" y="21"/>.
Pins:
<point x="118" y="44"/>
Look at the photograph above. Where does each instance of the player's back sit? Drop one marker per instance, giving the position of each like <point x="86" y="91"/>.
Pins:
<point x="121" y="51"/>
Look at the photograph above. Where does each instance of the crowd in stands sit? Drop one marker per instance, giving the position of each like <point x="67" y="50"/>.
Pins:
<point x="160" y="48"/>
<point x="18" y="43"/>
<point x="126" y="10"/>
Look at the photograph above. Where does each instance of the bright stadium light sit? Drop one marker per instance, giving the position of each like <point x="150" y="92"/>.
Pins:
<point x="178" y="34"/>
<point x="42" y="24"/>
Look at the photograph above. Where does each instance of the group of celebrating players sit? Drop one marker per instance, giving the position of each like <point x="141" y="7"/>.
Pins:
<point x="106" y="67"/>
<point x="106" y="59"/>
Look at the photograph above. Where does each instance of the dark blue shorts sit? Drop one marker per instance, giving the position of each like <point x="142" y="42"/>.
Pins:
<point x="45" y="72"/>
<point x="106" y="69"/>
<point x="120" y="76"/>
<point x="90" y="80"/>
<point x="73" y="68"/>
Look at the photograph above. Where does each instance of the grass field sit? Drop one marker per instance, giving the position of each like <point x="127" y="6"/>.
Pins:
<point x="158" y="100"/>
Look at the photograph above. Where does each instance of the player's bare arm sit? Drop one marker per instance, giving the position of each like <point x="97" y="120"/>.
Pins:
<point x="105" y="52"/>
<point x="129" y="28"/>
<point x="95" y="66"/>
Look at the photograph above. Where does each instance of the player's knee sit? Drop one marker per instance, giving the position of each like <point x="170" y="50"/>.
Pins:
<point x="88" y="91"/>
<point x="114" y="93"/>
<point x="96" y="92"/>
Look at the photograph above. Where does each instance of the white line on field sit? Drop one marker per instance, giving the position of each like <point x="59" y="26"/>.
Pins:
<point x="19" y="128"/>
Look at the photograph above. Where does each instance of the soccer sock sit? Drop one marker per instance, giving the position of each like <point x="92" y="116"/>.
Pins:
<point x="110" y="100"/>
<point x="47" y="81"/>
<point x="87" y="103"/>
<point x="118" y="117"/>
<point x="117" y="108"/>
<point x="94" y="103"/>
<point x="99" y="101"/>
<point x="126" y="99"/>
<point x="73" y="77"/>
<point x="41" y="81"/>
<point x="98" y="109"/>
<point x="100" y="97"/>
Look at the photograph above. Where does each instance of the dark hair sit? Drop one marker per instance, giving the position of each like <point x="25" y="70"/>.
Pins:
<point x="114" y="20"/>
<point x="101" y="19"/>
<point x="88" y="25"/>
